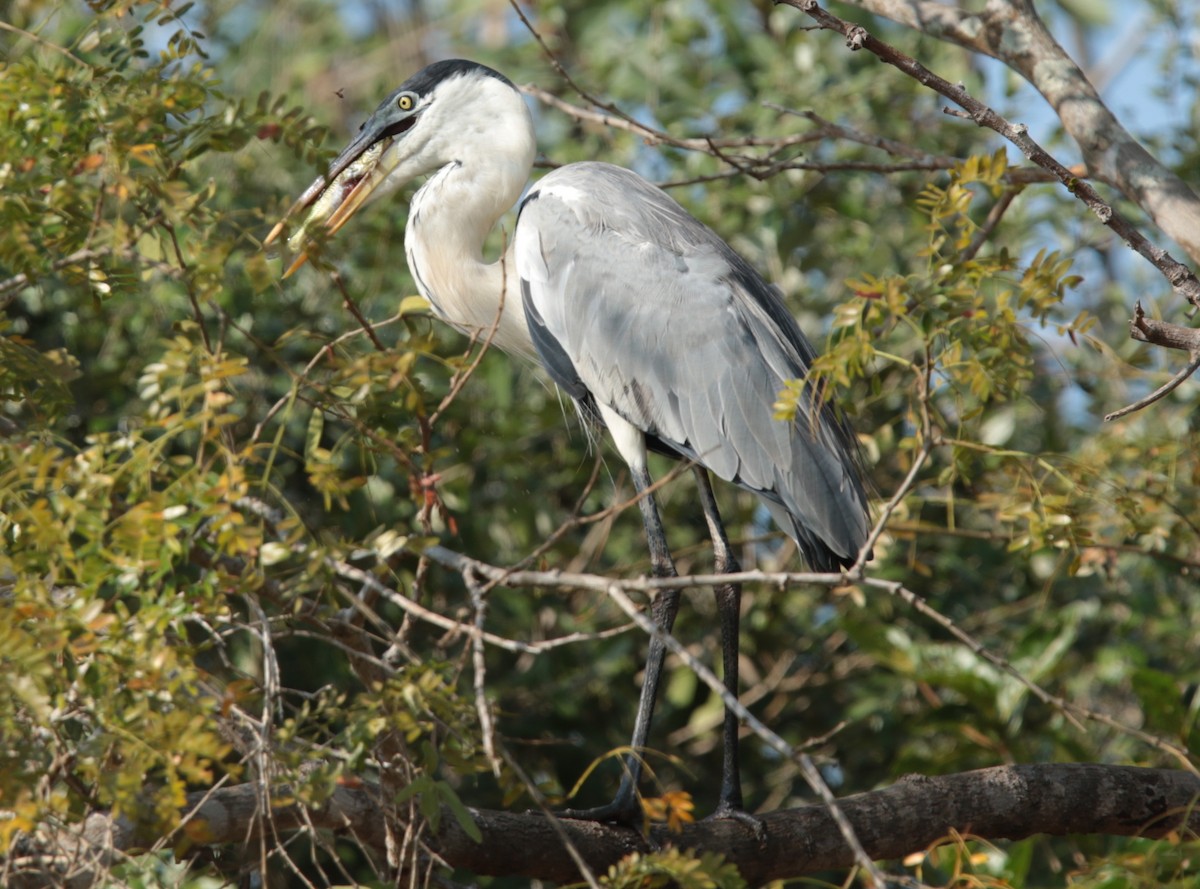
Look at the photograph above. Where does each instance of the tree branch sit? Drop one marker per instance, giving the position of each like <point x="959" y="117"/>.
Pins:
<point x="1171" y="336"/>
<point x="1012" y="32"/>
<point x="1180" y="277"/>
<point x="555" y="579"/>
<point x="763" y="165"/>
<point x="1005" y="802"/>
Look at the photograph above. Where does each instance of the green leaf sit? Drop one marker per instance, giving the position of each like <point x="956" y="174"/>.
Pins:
<point x="460" y="812"/>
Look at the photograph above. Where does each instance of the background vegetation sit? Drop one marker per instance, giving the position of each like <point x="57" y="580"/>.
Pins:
<point x="200" y="465"/>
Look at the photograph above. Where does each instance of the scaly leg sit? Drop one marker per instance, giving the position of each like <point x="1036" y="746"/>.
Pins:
<point x="729" y="601"/>
<point x="625" y="807"/>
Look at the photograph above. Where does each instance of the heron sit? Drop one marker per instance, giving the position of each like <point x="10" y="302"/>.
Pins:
<point x="644" y="316"/>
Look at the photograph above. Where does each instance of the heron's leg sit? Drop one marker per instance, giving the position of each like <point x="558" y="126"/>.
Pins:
<point x="662" y="611"/>
<point x="729" y="600"/>
<point x="625" y="807"/>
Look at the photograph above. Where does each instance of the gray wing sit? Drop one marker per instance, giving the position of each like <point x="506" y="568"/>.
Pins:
<point x="634" y="304"/>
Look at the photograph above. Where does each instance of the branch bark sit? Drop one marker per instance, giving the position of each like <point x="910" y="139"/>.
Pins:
<point x="1006" y="802"/>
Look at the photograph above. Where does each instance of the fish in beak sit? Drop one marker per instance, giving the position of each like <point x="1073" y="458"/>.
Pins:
<point x="333" y="198"/>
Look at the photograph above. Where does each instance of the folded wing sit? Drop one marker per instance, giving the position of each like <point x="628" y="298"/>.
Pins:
<point x="635" y="305"/>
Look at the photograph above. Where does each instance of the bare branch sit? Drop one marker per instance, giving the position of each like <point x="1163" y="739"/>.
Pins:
<point x="48" y="44"/>
<point x="782" y="580"/>
<point x="348" y="301"/>
<point x="1074" y="712"/>
<point x="658" y="137"/>
<point x="852" y="134"/>
<point x="1162" y="333"/>
<point x="487" y="724"/>
<point x="1171" y="336"/>
<point x="763" y="166"/>
<point x="409" y="606"/>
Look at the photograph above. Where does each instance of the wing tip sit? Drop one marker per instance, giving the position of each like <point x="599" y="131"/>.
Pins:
<point x="822" y="557"/>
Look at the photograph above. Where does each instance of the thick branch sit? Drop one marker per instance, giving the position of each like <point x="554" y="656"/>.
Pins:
<point x="1006" y="802"/>
<point x="1012" y="31"/>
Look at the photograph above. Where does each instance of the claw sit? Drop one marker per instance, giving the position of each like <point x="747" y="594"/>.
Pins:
<point x="758" y="825"/>
<point x="625" y="811"/>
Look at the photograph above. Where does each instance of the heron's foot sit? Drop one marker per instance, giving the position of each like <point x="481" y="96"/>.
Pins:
<point x="728" y="811"/>
<point x="625" y="810"/>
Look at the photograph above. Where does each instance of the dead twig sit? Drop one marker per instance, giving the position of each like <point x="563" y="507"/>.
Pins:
<point x="1171" y="336"/>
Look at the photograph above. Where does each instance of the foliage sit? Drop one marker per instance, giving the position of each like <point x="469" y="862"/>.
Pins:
<point x="215" y="488"/>
<point x="671" y="867"/>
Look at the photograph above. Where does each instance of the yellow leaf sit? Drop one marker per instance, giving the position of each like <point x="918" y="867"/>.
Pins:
<point x="675" y="807"/>
<point x="144" y="152"/>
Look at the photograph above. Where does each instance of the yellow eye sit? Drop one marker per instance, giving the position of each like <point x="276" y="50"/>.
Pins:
<point x="405" y="102"/>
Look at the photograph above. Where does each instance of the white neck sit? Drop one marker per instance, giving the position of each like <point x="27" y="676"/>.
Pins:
<point x="448" y="220"/>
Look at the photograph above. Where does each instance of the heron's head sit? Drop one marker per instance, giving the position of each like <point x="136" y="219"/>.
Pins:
<point x="447" y="112"/>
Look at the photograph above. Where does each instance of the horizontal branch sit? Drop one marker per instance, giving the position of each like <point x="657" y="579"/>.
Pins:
<point x="915" y="814"/>
<point x="556" y="579"/>
<point x="782" y="580"/>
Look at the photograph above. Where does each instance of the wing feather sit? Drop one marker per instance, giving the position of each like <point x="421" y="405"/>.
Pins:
<point x="635" y="304"/>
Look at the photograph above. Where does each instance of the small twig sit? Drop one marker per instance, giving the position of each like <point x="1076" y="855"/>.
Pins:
<point x="22" y="279"/>
<point x="1073" y="712"/>
<point x="297" y="378"/>
<point x="556" y="823"/>
<point x="914" y="528"/>
<point x="852" y="134"/>
<point x="759" y="168"/>
<point x="989" y="224"/>
<point x="487" y="725"/>
<point x="880" y="525"/>
<point x="762" y="173"/>
<point x="420" y="612"/>
<point x="29" y="35"/>
<point x="562" y="72"/>
<point x="656" y="137"/>
<point x="576" y="519"/>
<point x="189" y="286"/>
<point x="340" y="284"/>
<point x="910" y="479"/>
<point x="385" y="443"/>
<point x="1171" y="336"/>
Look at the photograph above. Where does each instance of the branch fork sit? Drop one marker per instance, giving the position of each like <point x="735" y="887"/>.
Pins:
<point x="1170" y="336"/>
